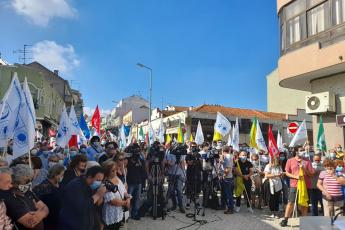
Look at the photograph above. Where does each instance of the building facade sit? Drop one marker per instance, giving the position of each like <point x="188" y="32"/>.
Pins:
<point x="312" y="52"/>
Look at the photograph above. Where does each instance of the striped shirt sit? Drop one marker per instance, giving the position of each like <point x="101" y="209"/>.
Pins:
<point x="330" y="183"/>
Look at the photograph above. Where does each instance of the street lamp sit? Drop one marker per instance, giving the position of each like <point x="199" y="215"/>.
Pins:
<point x="150" y="89"/>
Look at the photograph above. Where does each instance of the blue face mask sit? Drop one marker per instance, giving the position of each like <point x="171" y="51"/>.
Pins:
<point x="96" y="184"/>
<point x="83" y="150"/>
<point x="243" y="159"/>
<point x="339" y="169"/>
<point x="73" y="154"/>
<point x="282" y="158"/>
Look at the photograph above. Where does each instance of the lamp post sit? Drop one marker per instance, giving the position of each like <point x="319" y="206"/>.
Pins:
<point x="150" y="89"/>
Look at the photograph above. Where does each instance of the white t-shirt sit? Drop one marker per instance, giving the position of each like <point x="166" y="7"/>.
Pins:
<point x="275" y="183"/>
<point x="113" y="214"/>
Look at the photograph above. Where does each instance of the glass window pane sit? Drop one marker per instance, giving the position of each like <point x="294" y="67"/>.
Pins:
<point x="338" y="11"/>
<point x="282" y="37"/>
<point x="295" y="8"/>
<point x="318" y="19"/>
<point x="312" y="3"/>
<point x="294" y="30"/>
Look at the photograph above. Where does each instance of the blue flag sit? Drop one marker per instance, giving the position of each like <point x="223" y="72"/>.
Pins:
<point x="84" y="127"/>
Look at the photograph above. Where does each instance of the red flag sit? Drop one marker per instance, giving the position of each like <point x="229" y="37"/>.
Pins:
<point x="73" y="141"/>
<point x="96" y="120"/>
<point x="147" y="138"/>
<point x="272" y="144"/>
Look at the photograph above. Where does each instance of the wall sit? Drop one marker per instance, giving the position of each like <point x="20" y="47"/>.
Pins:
<point x="335" y="84"/>
<point x="283" y="100"/>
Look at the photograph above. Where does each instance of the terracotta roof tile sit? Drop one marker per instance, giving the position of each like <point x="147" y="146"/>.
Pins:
<point x="236" y="112"/>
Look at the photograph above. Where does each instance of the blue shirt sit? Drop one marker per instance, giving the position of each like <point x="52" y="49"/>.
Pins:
<point x="175" y="169"/>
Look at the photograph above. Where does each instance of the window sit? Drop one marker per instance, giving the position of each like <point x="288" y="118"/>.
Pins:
<point x="295" y="8"/>
<point x="282" y="37"/>
<point x="318" y="19"/>
<point x="338" y="11"/>
<point x="294" y="30"/>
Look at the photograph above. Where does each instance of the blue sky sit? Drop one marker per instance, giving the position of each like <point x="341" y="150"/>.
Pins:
<point x="213" y="51"/>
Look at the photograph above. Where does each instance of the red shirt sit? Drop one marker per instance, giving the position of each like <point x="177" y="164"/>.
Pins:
<point x="292" y="167"/>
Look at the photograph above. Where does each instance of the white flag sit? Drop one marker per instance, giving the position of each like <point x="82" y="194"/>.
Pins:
<point x="9" y="110"/>
<point x="130" y="138"/>
<point x="74" y="125"/>
<point x="230" y="137"/>
<point x="280" y="142"/>
<point x="199" y="135"/>
<point x="260" y="141"/>
<point x="222" y="125"/>
<point x="122" y="137"/>
<point x="151" y="135"/>
<point x="112" y="136"/>
<point x="301" y="135"/>
<point x="161" y="132"/>
<point x="24" y="130"/>
<point x="236" y="137"/>
<point x="64" y="130"/>
<point x="81" y="138"/>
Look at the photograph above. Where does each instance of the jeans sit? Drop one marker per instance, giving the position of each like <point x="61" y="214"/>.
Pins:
<point x="315" y="198"/>
<point x="175" y="187"/>
<point x="228" y="188"/>
<point x="135" y="190"/>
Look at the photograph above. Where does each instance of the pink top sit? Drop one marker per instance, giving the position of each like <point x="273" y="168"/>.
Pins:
<point x="292" y="167"/>
<point x="331" y="184"/>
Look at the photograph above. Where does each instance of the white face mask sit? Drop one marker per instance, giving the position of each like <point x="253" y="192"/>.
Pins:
<point x="24" y="187"/>
<point x="51" y="164"/>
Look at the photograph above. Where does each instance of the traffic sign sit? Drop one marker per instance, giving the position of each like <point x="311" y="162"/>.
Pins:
<point x="293" y="126"/>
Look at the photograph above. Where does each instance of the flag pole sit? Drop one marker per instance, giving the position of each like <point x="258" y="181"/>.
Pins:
<point x="30" y="164"/>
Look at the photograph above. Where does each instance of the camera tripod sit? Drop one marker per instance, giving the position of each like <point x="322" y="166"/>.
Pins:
<point x="157" y="185"/>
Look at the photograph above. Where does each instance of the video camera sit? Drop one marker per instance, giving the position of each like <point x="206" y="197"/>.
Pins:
<point x="110" y="186"/>
<point x="212" y="155"/>
<point x="156" y="152"/>
<point x="132" y="150"/>
<point x="178" y="150"/>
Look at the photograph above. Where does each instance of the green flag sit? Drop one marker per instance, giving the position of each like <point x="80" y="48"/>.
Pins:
<point x="141" y="134"/>
<point x="321" y="140"/>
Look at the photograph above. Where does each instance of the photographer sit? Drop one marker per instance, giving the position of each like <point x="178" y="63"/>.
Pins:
<point x="176" y="172"/>
<point x="194" y="169"/>
<point x="114" y="201"/>
<point x="110" y="152"/>
<point x="136" y="172"/>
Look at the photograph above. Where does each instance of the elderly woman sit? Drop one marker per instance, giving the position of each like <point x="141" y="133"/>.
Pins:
<point x="23" y="206"/>
<point x="114" y="202"/>
<point x="48" y="192"/>
<point x="331" y="189"/>
<point x="5" y="184"/>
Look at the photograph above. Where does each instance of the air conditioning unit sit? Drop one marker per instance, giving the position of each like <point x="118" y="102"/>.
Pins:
<point x="320" y="103"/>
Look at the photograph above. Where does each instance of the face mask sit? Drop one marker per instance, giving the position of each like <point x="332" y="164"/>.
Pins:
<point x="51" y="164"/>
<point x="34" y="151"/>
<point x="282" y="158"/>
<point x="24" y="187"/>
<point x="103" y="142"/>
<point x="301" y="154"/>
<point x="61" y="162"/>
<point x="73" y="153"/>
<point x="96" y="184"/>
<point x="256" y="163"/>
<point x="82" y="171"/>
<point x="60" y="180"/>
<point x="265" y="159"/>
<point x="243" y="159"/>
<point x="194" y="149"/>
<point x="329" y="171"/>
<point x="96" y="144"/>
<point x="83" y="150"/>
<point x="339" y="149"/>
<point x="332" y="155"/>
<point x="339" y="169"/>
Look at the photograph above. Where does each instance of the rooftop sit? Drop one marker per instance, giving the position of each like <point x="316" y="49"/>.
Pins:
<point x="236" y="112"/>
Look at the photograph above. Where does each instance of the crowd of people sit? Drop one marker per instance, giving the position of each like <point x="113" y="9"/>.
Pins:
<point x="99" y="186"/>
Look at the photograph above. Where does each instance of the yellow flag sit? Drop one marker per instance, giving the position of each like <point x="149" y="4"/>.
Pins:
<point x="217" y="136"/>
<point x="191" y="138"/>
<point x="252" y="142"/>
<point x="180" y="137"/>
<point x="302" y="190"/>
<point x="239" y="186"/>
<point x="168" y="139"/>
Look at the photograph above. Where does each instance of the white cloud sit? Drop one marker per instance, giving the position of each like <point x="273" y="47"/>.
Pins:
<point x="40" y="12"/>
<point x="89" y="111"/>
<point x="55" y="56"/>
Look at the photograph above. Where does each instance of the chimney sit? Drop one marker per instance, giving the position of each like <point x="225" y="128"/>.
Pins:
<point x="56" y="71"/>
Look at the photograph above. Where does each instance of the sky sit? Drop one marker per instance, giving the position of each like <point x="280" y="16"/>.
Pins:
<point x="200" y="51"/>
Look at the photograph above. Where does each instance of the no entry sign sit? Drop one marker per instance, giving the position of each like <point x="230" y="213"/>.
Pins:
<point x="293" y="126"/>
